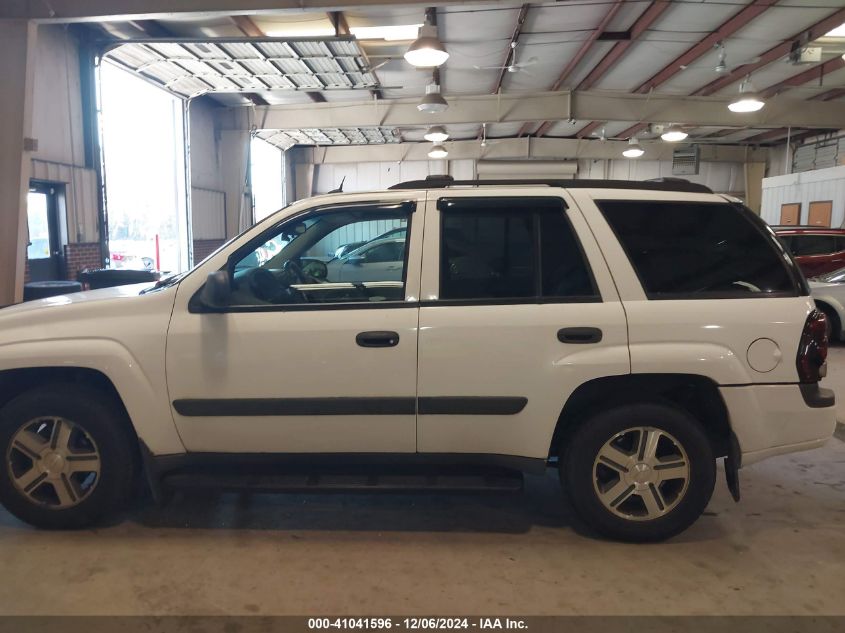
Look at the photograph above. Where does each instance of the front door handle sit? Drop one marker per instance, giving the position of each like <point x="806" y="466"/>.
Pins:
<point x="579" y="335"/>
<point x="378" y="339"/>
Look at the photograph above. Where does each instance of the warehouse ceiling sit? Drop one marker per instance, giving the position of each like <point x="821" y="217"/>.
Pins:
<point x="641" y="47"/>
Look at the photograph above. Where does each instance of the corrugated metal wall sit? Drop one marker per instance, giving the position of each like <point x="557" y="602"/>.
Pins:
<point x="804" y="188"/>
<point x="208" y="214"/>
<point x="819" y="155"/>
<point x="80" y="194"/>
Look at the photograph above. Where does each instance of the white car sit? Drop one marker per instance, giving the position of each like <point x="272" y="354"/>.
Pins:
<point x="828" y="291"/>
<point x="628" y="334"/>
<point x="381" y="259"/>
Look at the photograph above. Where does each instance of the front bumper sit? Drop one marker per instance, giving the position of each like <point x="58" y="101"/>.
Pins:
<point x="771" y="420"/>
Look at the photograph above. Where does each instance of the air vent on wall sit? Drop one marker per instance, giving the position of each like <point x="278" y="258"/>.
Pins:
<point x="685" y="160"/>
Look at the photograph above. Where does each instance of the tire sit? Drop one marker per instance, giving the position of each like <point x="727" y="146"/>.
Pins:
<point x="597" y="490"/>
<point x="95" y="468"/>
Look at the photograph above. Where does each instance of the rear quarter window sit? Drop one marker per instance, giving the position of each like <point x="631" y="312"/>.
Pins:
<point x="700" y="250"/>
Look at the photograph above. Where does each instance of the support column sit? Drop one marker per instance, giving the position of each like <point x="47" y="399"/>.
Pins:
<point x="17" y="49"/>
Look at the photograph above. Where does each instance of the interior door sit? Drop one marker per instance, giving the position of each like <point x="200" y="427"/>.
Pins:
<point x="312" y="364"/>
<point x="790" y="214"/>
<point x="820" y="213"/>
<point x="44" y="250"/>
<point x="518" y="310"/>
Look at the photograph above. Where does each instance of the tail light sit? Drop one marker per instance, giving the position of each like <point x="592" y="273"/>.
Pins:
<point x="812" y="350"/>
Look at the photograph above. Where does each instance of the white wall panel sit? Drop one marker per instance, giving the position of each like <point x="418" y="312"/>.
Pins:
<point x="804" y="188"/>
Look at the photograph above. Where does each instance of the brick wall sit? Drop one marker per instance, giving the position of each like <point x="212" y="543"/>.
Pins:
<point x="204" y="248"/>
<point x="81" y="256"/>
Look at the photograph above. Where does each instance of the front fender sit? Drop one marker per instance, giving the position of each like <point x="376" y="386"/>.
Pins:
<point x="142" y="387"/>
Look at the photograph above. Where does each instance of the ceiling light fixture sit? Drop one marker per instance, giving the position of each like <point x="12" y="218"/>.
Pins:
<point x="438" y="151"/>
<point x="634" y="149"/>
<point x="748" y="100"/>
<point x="427" y="51"/>
<point x="436" y="134"/>
<point x="433" y="102"/>
<point x="673" y="134"/>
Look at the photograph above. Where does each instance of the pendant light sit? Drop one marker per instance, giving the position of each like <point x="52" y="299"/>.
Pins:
<point x="433" y="102"/>
<point x="436" y="134"/>
<point x="634" y="149"/>
<point x="427" y="51"/>
<point x="673" y="134"/>
<point x="438" y="151"/>
<point x="748" y="100"/>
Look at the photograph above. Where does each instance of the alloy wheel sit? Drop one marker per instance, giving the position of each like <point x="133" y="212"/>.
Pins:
<point x="53" y="462"/>
<point x="641" y="474"/>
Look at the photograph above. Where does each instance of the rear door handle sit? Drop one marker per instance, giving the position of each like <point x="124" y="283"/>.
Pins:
<point x="378" y="339"/>
<point x="579" y="335"/>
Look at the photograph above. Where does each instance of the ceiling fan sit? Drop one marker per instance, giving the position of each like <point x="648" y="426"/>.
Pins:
<point x="514" y="66"/>
<point x="721" y="66"/>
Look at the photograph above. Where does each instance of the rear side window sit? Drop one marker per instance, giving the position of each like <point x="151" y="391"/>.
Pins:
<point x="511" y="249"/>
<point x="699" y="250"/>
<point x="813" y="244"/>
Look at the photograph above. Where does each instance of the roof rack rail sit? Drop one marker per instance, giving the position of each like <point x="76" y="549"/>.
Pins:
<point x="659" y="184"/>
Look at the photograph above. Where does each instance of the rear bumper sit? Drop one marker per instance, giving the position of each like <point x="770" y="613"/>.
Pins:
<point x="771" y="420"/>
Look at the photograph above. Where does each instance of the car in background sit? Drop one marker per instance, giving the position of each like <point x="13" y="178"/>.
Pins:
<point x="817" y="250"/>
<point x="383" y="257"/>
<point x="829" y="294"/>
<point x="344" y="250"/>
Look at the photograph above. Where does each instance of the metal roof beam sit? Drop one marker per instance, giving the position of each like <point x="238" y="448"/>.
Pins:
<point x="811" y="74"/>
<point x="648" y="17"/>
<point x="520" y="21"/>
<point x="642" y="23"/>
<point x="556" y="106"/>
<point x="124" y="10"/>
<point x="573" y="63"/>
<point x="728" y="28"/>
<point x="814" y="32"/>
<point x="512" y="148"/>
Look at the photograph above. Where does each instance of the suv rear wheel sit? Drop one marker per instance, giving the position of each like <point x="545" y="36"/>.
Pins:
<point x="641" y="472"/>
<point x="68" y="458"/>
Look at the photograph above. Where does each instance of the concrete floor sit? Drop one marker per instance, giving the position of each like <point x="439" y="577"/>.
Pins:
<point x="780" y="551"/>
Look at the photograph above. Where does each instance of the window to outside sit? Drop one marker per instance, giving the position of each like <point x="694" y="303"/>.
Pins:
<point x="39" y="226"/>
<point x="296" y="263"/>
<point x="510" y="248"/>
<point x="681" y="249"/>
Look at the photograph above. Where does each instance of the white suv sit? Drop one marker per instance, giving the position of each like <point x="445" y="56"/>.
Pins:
<point x="627" y="333"/>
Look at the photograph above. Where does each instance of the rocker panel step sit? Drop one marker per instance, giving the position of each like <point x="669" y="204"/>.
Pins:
<point x="337" y="482"/>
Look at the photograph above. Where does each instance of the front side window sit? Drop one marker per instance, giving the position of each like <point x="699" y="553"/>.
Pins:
<point x="298" y="263"/>
<point x="510" y="249"/>
<point x="698" y="250"/>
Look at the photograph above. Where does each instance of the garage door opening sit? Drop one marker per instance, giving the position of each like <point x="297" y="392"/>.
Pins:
<point x="266" y="165"/>
<point x="143" y="130"/>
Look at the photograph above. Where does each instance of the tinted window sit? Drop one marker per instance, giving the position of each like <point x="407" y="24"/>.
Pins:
<point x="701" y="249"/>
<point x="294" y="263"/>
<point x="510" y="248"/>
<point x="813" y="244"/>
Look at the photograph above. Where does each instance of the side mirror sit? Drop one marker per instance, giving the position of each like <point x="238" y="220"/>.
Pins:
<point x="217" y="289"/>
<point x="357" y="260"/>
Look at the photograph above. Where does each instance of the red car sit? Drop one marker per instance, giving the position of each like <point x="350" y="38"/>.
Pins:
<point x="817" y="250"/>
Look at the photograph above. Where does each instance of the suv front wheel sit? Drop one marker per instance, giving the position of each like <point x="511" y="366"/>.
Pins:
<point x="640" y="472"/>
<point x="68" y="457"/>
